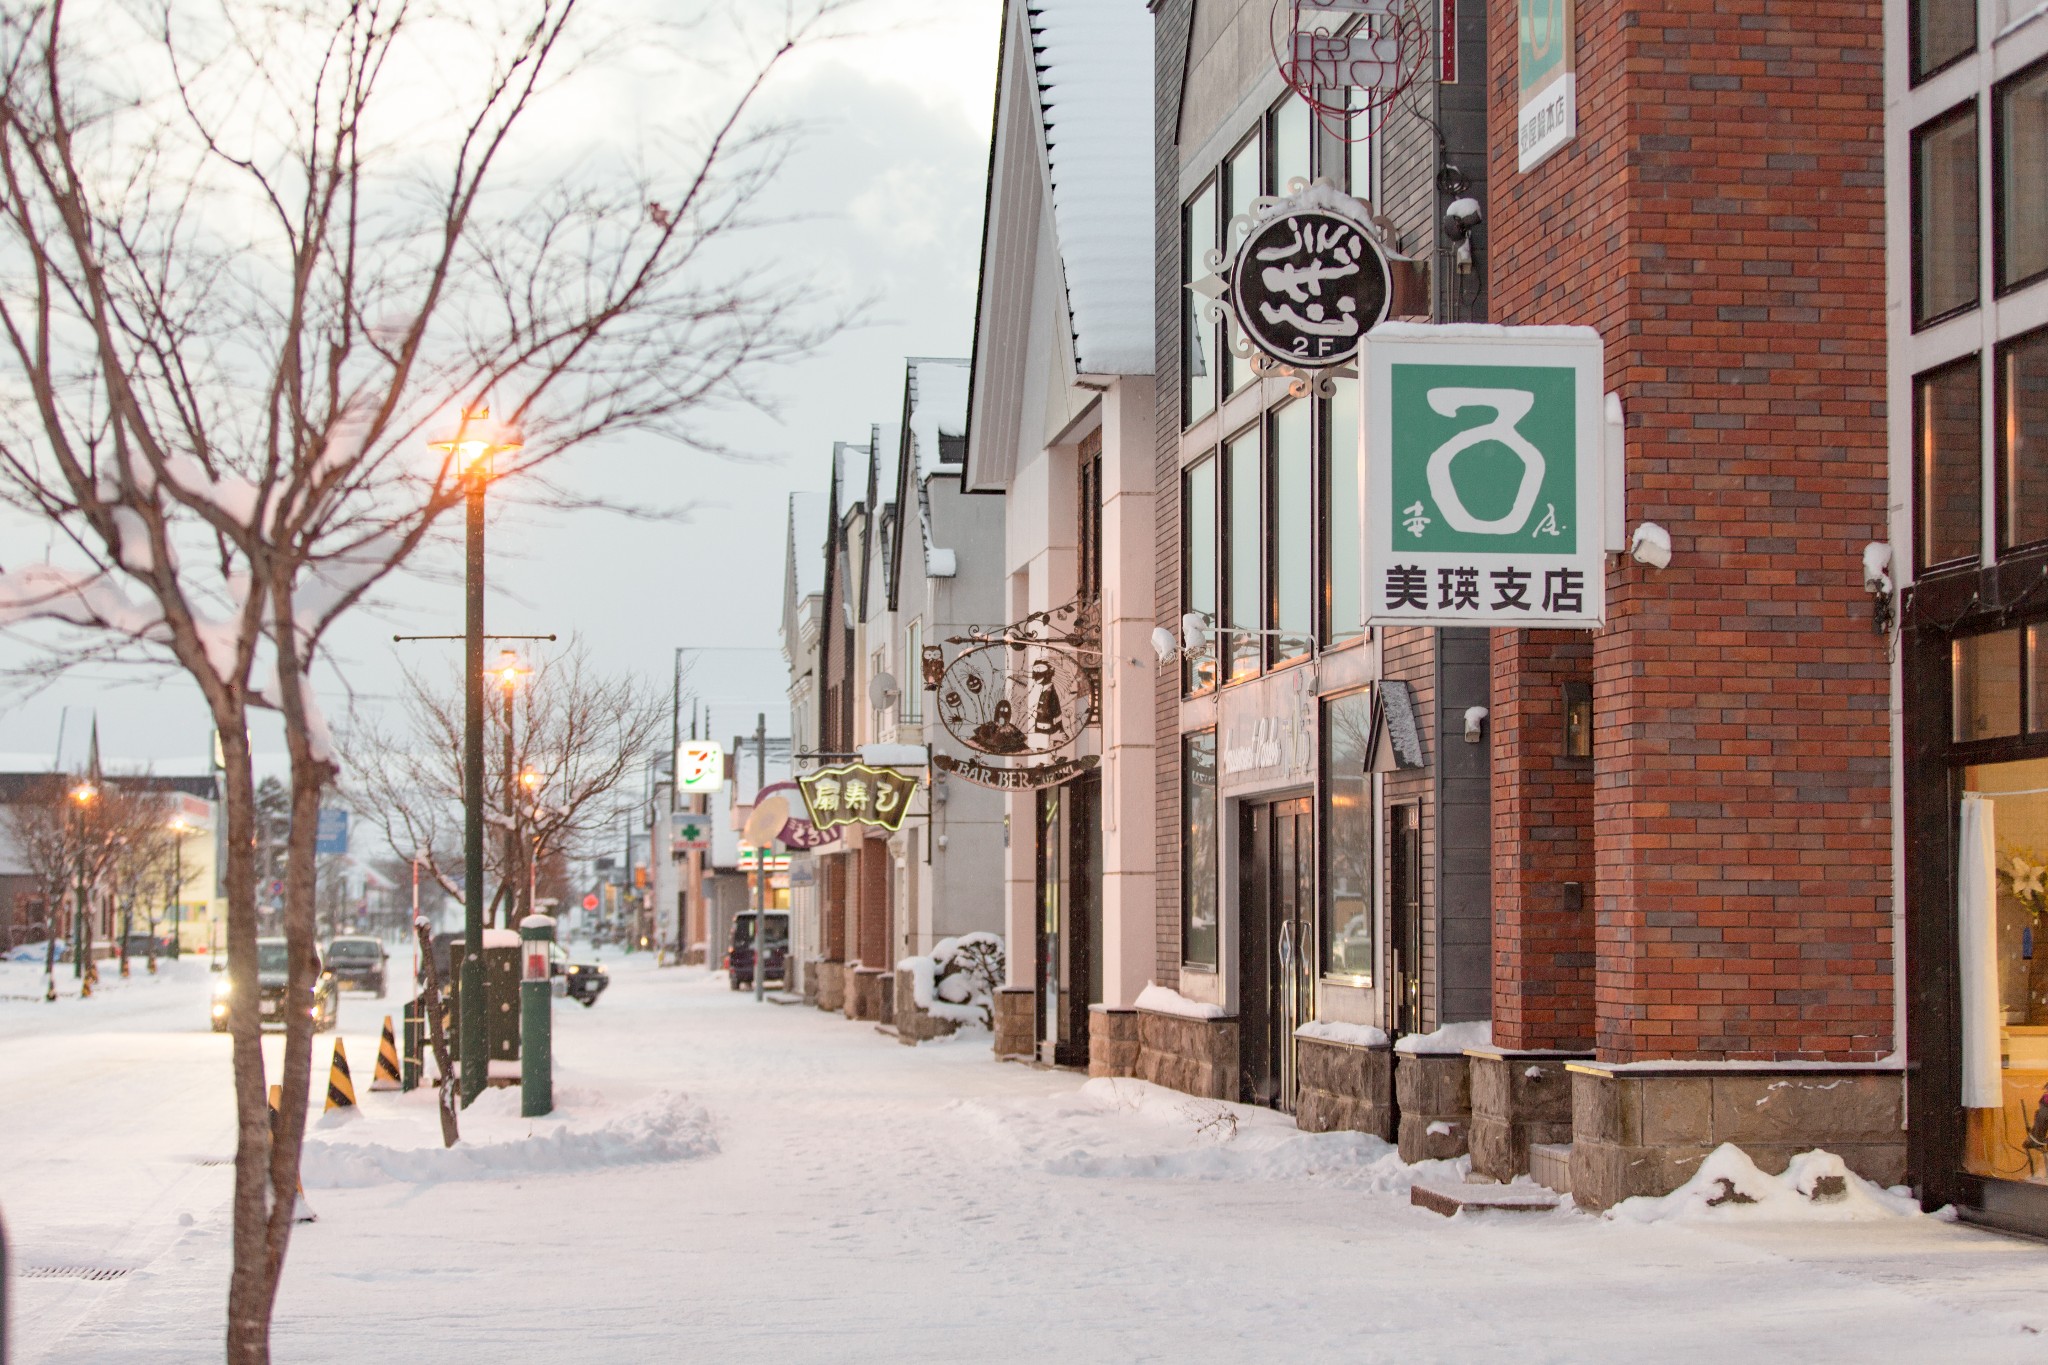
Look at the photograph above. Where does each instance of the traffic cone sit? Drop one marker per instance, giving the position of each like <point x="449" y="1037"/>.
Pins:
<point x="302" y="1212"/>
<point x="386" y="1077"/>
<point x="341" y="1091"/>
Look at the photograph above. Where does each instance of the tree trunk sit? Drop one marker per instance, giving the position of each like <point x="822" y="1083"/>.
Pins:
<point x="252" y="1284"/>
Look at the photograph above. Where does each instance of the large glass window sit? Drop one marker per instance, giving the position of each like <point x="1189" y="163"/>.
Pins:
<point x="1244" y="175"/>
<point x="1945" y="215"/>
<point x="1198" y="562"/>
<point x="1241" y="546"/>
<point x="2004" y="964"/>
<point x="1342" y="536"/>
<point x="1198" y="888"/>
<point x="1291" y="532"/>
<point x="2020" y="131"/>
<point x="1987" y="685"/>
<point x="1347" y="838"/>
<point x="1941" y="31"/>
<point x="2023" y="438"/>
<point x="1198" y="334"/>
<point x="1294" y="137"/>
<point x="1948" y="430"/>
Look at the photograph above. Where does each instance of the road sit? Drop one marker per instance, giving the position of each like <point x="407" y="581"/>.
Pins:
<point x="745" y="1182"/>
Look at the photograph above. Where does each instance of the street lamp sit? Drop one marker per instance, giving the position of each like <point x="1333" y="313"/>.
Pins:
<point x="509" y="673"/>
<point x="180" y="827"/>
<point x="475" y="439"/>
<point x="82" y="797"/>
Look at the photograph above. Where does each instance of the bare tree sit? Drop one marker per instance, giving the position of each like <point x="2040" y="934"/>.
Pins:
<point x="134" y="825"/>
<point x="253" y="255"/>
<point x="48" y="837"/>
<point x="569" y="738"/>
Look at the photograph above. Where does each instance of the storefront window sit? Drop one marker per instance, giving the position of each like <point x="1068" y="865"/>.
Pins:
<point x="1243" y="172"/>
<point x="1241" y="548"/>
<point x="2021" y="133"/>
<point x="1945" y="215"/>
<point x="1347" y="838"/>
<point x="1292" y="534"/>
<point x="2004" y="961"/>
<point x="2023" y="436"/>
<point x="1942" y="30"/>
<point x="1342" y="554"/>
<point x="1198" y="563"/>
<point x="1198" y="849"/>
<point x="1198" y="334"/>
<point x="1294" y="135"/>
<point x="1987" y="685"/>
<point x="1948" y="438"/>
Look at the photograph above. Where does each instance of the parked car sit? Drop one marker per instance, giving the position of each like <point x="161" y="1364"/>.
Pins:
<point x="586" y="980"/>
<point x="739" y="958"/>
<point x="272" y="966"/>
<point x="358" y="961"/>
<point x="139" y="945"/>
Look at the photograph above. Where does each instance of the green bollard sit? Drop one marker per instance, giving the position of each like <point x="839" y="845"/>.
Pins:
<point x="415" y="1015"/>
<point x="536" y="1018"/>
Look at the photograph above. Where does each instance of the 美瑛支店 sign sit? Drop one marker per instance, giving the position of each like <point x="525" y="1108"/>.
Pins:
<point x="1485" y="479"/>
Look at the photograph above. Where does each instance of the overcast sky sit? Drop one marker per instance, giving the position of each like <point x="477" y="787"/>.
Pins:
<point x="889" y="178"/>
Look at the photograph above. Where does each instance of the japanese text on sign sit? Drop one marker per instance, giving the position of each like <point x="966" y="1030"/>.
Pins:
<point x="854" y="794"/>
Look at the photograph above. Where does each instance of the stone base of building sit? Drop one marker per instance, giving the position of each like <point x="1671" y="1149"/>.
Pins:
<point x="1345" y="1086"/>
<point x="1112" y="1041"/>
<point x="1016" y="1019"/>
<point x="868" y="991"/>
<point x="1518" y="1098"/>
<point x="831" y="982"/>
<point x="1196" y="1056"/>
<point x="693" y="957"/>
<point x="914" y="1023"/>
<point x="1433" y="1091"/>
<point x="1645" y="1131"/>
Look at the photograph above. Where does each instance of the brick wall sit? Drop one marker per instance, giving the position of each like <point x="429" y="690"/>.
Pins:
<point x="874" y="904"/>
<point x="832" y="907"/>
<point x="1720" y="219"/>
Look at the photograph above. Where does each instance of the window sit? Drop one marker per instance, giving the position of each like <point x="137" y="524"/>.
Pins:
<point x="1290" y="532"/>
<point x="911" y="709"/>
<point x="1939" y="33"/>
<point x="1347" y="838"/>
<point x="1987" y="685"/>
<point x="1088" y="518"/>
<point x="1948" y="463"/>
<point x="1244" y="174"/>
<point x="1342" y="536"/>
<point x="2020" y="187"/>
<point x="2023" y="438"/>
<point x="1198" y="562"/>
<point x="1294" y="136"/>
<point x="1198" y="937"/>
<point x="1198" y="339"/>
<point x="1241" y="555"/>
<point x="1578" y="723"/>
<point x="1945" y="215"/>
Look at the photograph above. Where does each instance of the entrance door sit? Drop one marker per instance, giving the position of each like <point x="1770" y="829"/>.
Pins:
<point x="1278" y="945"/>
<point x="1404" y="911"/>
<point x="1069" y="918"/>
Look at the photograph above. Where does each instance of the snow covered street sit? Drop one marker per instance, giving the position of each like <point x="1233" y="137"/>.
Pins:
<point x="726" y="1180"/>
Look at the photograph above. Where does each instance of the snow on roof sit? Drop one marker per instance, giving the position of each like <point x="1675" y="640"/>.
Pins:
<point x="1095" y="94"/>
<point x="938" y="414"/>
<point x="807" y="541"/>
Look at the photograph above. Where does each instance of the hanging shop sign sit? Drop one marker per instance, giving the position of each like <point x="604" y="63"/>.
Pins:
<point x="690" y="832"/>
<point x="1018" y="695"/>
<point x="798" y="832"/>
<point x="855" y="794"/>
<point x="1547" y="74"/>
<point x="1341" y="72"/>
<point x="1484" y="477"/>
<point x="700" y="766"/>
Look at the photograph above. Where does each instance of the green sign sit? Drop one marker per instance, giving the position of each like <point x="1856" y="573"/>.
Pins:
<point x="1547" y="76"/>
<point x="1484" y="476"/>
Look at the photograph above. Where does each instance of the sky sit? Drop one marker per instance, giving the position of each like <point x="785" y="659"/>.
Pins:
<point x="883" y="197"/>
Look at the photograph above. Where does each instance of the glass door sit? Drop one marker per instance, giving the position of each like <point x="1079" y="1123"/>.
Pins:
<point x="1279" y="951"/>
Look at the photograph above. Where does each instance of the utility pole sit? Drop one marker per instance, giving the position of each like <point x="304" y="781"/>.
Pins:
<point x="761" y="862"/>
<point x="476" y="1054"/>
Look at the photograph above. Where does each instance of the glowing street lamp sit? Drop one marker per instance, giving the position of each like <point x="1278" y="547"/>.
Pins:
<point x="181" y="828"/>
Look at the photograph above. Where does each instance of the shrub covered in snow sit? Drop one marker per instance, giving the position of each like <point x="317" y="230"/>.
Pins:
<point x="958" y="980"/>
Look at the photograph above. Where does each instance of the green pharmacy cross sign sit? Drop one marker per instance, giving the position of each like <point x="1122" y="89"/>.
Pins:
<point x="1484" y="477"/>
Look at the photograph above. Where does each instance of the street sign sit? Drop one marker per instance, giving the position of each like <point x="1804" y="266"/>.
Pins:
<point x="590" y="901"/>
<point x="332" y="833"/>
<point x="700" y="766"/>
<point x="1484" y="488"/>
<point x="1547" y="110"/>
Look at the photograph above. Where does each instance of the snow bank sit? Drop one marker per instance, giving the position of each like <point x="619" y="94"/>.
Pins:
<point x="405" y="1148"/>
<point x="1329" y="1031"/>
<point x="1450" y="1040"/>
<point x="1165" y="1000"/>
<point x="1816" y="1187"/>
<point x="958" y="980"/>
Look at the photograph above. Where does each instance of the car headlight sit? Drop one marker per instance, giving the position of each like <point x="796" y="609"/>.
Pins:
<point x="223" y="988"/>
<point x="575" y="971"/>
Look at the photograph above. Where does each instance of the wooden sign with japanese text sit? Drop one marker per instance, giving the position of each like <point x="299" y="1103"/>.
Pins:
<point x="855" y="794"/>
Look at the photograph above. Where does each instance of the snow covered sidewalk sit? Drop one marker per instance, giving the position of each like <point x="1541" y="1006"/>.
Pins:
<point x="741" y="1182"/>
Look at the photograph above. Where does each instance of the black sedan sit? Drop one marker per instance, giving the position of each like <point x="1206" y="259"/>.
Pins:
<point x="586" y="980"/>
<point x="359" y="961"/>
<point x="272" y="964"/>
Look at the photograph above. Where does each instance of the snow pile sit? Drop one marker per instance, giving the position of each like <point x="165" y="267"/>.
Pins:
<point x="1115" y="1127"/>
<point x="1330" y="1031"/>
<point x="959" y="979"/>
<point x="405" y="1146"/>
<point x="1166" y="1000"/>
<point x="1448" y="1041"/>
<point x="1816" y="1187"/>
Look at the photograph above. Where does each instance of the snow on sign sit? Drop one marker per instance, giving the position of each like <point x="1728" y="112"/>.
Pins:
<point x="1484" y="477"/>
<point x="700" y="766"/>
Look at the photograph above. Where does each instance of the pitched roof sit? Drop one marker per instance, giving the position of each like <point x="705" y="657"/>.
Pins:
<point x="807" y="533"/>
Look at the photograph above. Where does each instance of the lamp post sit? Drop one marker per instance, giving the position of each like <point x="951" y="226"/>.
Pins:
<point x="472" y="443"/>
<point x="179" y="829"/>
<point x="509" y="673"/>
<point x="82" y="797"/>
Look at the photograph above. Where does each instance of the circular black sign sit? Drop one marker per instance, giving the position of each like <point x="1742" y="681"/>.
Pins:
<point x="1308" y="286"/>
